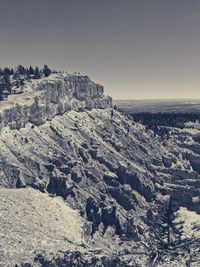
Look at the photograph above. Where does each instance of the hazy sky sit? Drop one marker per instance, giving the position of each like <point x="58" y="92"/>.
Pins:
<point x="135" y="48"/>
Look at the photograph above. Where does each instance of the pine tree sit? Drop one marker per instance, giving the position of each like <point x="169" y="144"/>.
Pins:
<point x="31" y="70"/>
<point x="164" y="224"/>
<point x="28" y="76"/>
<point x="12" y="71"/>
<point x="47" y="71"/>
<point x="6" y="83"/>
<point x="6" y="71"/>
<point x="21" y="70"/>
<point x="37" y="73"/>
<point x="1" y="92"/>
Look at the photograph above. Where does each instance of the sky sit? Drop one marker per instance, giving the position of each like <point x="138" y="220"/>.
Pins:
<point x="138" y="49"/>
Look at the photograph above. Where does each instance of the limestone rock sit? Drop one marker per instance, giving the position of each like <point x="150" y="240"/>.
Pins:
<point x="45" y="98"/>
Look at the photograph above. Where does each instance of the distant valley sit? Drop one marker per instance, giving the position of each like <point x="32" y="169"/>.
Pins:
<point x="159" y="105"/>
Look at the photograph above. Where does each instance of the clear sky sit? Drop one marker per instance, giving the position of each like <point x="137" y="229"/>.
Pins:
<point x="135" y="48"/>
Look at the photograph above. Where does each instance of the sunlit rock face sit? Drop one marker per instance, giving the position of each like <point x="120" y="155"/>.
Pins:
<point x="63" y="138"/>
<point x="45" y="98"/>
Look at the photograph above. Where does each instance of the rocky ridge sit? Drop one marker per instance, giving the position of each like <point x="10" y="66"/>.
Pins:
<point x="45" y="98"/>
<point x="62" y="137"/>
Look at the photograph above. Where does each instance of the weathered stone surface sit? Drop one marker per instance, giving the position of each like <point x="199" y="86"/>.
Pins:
<point x="140" y="183"/>
<point x="64" y="139"/>
<point x="194" y="161"/>
<point x="167" y="161"/>
<point x="46" y="98"/>
<point x="77" y="174"/>
<point x="127" y="198"/>
<point x="111" y="178"/>
<point x="60" y="186"/>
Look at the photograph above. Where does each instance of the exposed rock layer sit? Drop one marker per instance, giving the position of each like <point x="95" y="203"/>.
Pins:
<point x="64" y="138"/>
<point x="45" y="98"/>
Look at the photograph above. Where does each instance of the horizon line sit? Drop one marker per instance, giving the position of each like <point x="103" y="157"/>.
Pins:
<point x="157" y="99"/>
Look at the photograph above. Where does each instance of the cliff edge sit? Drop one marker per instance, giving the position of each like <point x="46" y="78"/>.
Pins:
<point x="41" y="100"/>
<point x="60" y="135"/>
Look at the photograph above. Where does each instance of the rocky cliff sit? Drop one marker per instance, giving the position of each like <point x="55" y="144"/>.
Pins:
<point x="45" y="98"/>
<point x="63" y="138"/>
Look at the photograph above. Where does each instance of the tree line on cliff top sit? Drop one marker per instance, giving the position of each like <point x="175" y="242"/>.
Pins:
<point x="15" y="77"/>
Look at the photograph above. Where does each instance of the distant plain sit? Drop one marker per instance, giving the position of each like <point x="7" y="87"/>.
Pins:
<point x="159" y="105"/>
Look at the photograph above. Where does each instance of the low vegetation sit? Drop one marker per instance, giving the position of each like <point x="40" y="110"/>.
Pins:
<point x="160" y="122"/>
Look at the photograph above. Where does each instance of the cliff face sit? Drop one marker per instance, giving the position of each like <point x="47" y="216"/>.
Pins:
<point x="45" y="98"/>
<point x="62" y="137"/>
<point x="93" y="161"/>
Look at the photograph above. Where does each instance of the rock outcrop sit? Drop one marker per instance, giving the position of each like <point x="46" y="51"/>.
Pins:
<point x="45" y="98"/>
<point x="63" y="138"/>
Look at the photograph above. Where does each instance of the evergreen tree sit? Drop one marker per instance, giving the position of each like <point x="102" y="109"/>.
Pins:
<point x="21" y="70"/>
<point x="12" y="71"/>
<point x="6" y="83"/>
<point x="6" y="71"/>
<point x="47" y="71"/>
<point x="37" y="73"/>
<point x="1" y="92"/>
<point x="167" y="231"/>
<point x="31" y="70"/>
<point x="16" y="74"/>
<point x="28" y="76"/>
